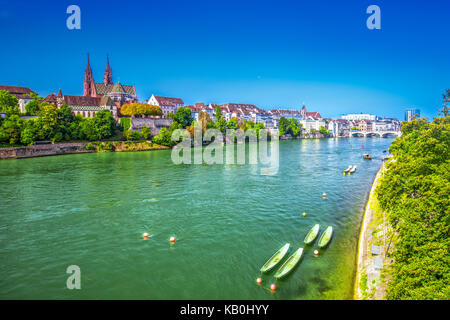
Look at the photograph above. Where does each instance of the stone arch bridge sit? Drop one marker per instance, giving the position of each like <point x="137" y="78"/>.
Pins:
<point x="380" y="134"/>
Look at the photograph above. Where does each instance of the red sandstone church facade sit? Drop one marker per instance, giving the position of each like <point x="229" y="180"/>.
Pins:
<point x="97" y="96"/>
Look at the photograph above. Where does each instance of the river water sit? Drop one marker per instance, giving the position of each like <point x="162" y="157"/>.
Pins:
<point x="91" y="210"/>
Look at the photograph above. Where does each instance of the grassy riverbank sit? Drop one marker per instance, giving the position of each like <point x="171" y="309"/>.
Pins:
<point x="120" y="146"/>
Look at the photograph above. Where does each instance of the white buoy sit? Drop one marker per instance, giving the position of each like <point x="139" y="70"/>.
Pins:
<point x="316" y="252"/>
<point x="145" y="235"/>
<point x="172" y="239"/>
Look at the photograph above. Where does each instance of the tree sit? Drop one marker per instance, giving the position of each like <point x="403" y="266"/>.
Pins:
<point x="324" y="131"/>
<point x="164" y="138"/>
<point x="221" y="125"/>
<point x="11" y="128"/>
<point x="183" y="116"/>
<point x="64" y="119"/>
<point x="170" y="115"/>
<point x="104" y="123"/>
<point x="33" y="107"/>
<point x="29" y="132"/>
<point x="294" y="128"/>
<point x="414" y="196"/>
<point x="132" y="135"/>
<point x="232" y="124"/>
<point x="100" y="127"/>
<point x="258" y="127"/>
<point x="205" y="120"/>
<point x="7" y="102"/>
<point x="218" y="113"/>
<point x="145" y="133"/>
<point x="140" y="109"/>
<point x="47" y="122"/>
<point x="283" y="125"/>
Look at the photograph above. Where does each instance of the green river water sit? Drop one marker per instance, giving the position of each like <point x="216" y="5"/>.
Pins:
<point x="91" y="210"/>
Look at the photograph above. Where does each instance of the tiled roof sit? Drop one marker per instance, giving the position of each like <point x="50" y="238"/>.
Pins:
<point x="194" y="108"/>
<point x="285" y="111"/>
<point x="167" y="101"/>
<point x="118" y="88"/>
<point x="51" y="98"/>
<point x="106" y="101"/>
<point x="81" y="100"/>
<point x="103" y="89"/>
<point x="88" y="108"/>
<point x="314" y="115"/>
<point x="19" y="92"/>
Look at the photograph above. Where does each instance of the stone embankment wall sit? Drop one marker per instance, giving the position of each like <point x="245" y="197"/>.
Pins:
<point x="42" y="150"/>
<point x="155" y="125"/>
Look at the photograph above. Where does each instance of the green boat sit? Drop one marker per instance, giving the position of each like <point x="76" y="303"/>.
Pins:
<point x="276" y="258"/>
<point x="290" y="263"/>
<point x="325" y="238"/>
<point x="312" y="234"/>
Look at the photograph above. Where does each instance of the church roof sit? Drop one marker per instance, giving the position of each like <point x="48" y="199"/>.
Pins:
<point x="118" y="88"/>
<point x="103" y="89"/>
<point x="106" y="101"/>
<point x="19" y="92"/>
<point x="79" y="101"/>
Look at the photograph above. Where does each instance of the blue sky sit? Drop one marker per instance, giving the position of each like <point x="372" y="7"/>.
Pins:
<point x="269" y="53"/>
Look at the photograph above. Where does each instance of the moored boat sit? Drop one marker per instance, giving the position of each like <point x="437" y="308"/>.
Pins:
<point x="326" y="236"/>
<point x="348" y="169"/>
<point x="290" y="263"/>
<point x="367" y="156"/>
<point x="352" y="170"/>
<point x="275" y="259"/>
<point x="312" y="234"/>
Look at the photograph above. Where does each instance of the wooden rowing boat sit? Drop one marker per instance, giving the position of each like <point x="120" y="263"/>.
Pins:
<point x="276" y="258"/>
<point x="326" y="236"/>
<point x="312" y="234"/>
<point x="290" y="263"/>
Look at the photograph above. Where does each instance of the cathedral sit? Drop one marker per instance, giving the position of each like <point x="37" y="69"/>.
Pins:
<point x="97" y="96"/>
<point x="118" y="92"/>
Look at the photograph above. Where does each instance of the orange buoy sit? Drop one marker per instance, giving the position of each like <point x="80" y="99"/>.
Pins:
<point x="316" y="252"/>
<point x="273" y="287"/>
<point x="258" y="281"/>
<point x="324" y="195"/>
<point x="145" y="235"/>
<point x="172" y="239"/>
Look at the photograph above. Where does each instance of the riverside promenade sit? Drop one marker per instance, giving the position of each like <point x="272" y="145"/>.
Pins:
<point x="371" y="248"/>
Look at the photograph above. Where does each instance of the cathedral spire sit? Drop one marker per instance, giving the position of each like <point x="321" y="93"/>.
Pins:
<point x="88" y="79"/>
<point x="107" y="79"/>
<point x="88" y="66"/>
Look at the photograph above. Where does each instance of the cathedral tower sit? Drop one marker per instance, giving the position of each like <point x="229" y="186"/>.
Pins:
<point x="88" y="79"/>
<point x="107" y="79"/>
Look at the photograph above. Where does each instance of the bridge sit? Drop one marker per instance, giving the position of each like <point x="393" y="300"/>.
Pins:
<point x="380" y="134"/>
